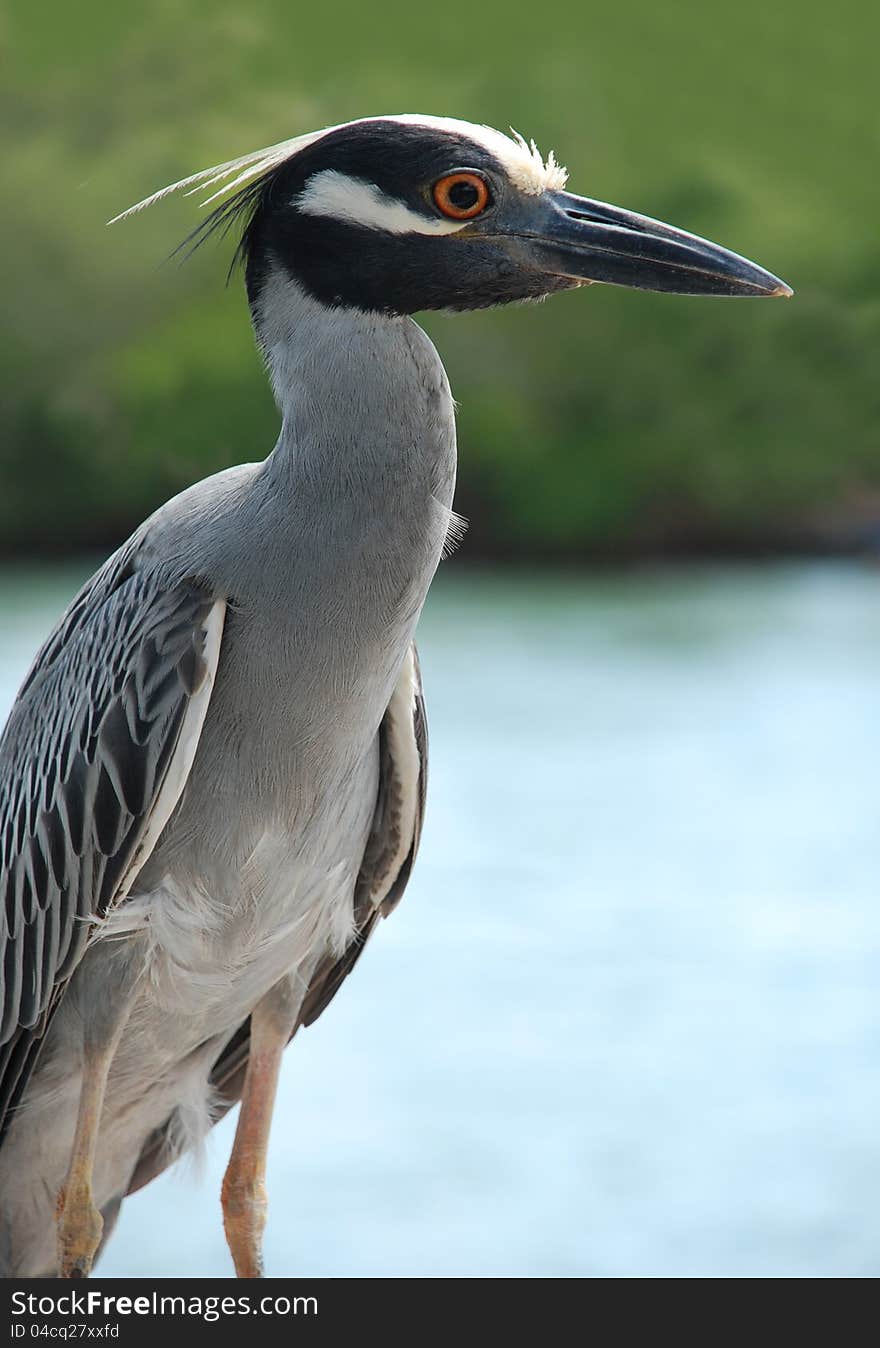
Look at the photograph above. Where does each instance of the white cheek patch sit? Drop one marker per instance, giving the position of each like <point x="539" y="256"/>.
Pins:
<point x="340" y="197"/>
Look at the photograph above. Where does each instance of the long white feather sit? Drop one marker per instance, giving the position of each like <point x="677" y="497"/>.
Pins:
<point x="521" y="159"/>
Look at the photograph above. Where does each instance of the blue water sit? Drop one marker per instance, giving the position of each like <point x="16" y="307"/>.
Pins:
<point x="627" y="1020"/>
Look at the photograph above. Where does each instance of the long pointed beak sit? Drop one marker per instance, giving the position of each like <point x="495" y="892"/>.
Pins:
<point x="588" y="240"/>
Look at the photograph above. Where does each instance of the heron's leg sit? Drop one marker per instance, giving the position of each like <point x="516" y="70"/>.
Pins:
<point x="78" y="1223"/>
<point x="244" y="1189"/>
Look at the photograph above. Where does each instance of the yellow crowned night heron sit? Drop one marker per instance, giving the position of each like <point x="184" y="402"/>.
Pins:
<point x="212" y="780"/>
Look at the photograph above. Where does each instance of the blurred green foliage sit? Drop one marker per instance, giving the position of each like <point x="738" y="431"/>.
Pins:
<point x="601" y="423"/>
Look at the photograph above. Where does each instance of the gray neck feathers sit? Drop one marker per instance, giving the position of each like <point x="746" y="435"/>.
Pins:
<point x="327" y="548"/>
<point x="365" y="462"/>
<point x="364" y="398"/>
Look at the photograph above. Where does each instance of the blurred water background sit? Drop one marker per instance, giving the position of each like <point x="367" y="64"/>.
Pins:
<point x="626" y="1021"/>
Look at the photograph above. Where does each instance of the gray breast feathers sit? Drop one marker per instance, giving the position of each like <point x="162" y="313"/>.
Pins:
<point x="93" y="760"/>
<point x="384" y="873"/>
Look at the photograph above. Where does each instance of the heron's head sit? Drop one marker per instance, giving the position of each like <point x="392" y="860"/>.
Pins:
<point x="400" y="214"/>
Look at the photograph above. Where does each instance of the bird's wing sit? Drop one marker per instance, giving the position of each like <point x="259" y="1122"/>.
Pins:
<point x="93" y="760"/>
<point x="397" y="827"/>
<point x="385" y="871"/>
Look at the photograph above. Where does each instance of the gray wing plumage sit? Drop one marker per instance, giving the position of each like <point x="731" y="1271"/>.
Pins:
<point x="385" y="871"/>
<point x="389" y="857"/>
<point x="88" y="747"/>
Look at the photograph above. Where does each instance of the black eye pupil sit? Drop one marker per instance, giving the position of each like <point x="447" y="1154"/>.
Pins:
<point x="463" y="196"/>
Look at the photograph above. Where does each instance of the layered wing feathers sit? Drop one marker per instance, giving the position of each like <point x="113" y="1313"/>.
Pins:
<point x="385" y="871"/>
<point x="83" y="759"/>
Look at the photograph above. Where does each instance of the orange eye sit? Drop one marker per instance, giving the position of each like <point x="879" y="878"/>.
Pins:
<point x="461" y="196"/>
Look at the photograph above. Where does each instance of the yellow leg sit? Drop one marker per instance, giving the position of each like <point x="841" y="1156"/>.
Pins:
<point x="78" y="1222"/>
<point x="244" y="1185"/>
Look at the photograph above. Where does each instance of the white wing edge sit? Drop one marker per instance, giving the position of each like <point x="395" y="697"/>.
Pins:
<point x="184" y="754"/>
<point x="404" y="755"/>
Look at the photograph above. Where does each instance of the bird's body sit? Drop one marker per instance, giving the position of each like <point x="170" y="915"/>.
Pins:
<point x="212" y="781"/>
<point x="253" y="878"/>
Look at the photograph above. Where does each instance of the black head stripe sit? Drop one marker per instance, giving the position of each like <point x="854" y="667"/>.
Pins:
<point x="342" y="263"/>
<point x="397" y="157"/>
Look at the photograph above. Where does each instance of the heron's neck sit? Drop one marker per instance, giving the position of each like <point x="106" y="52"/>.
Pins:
<point x="359" y="487"/>
<point x="365" y="402"/>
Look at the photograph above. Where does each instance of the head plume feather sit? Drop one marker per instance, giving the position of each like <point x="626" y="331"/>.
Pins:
<point x="246" y="176"/>
<point x="241" y="171"/>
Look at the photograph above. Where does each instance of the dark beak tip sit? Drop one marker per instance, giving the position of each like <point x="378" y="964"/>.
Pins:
<point x="590" y="241"/>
